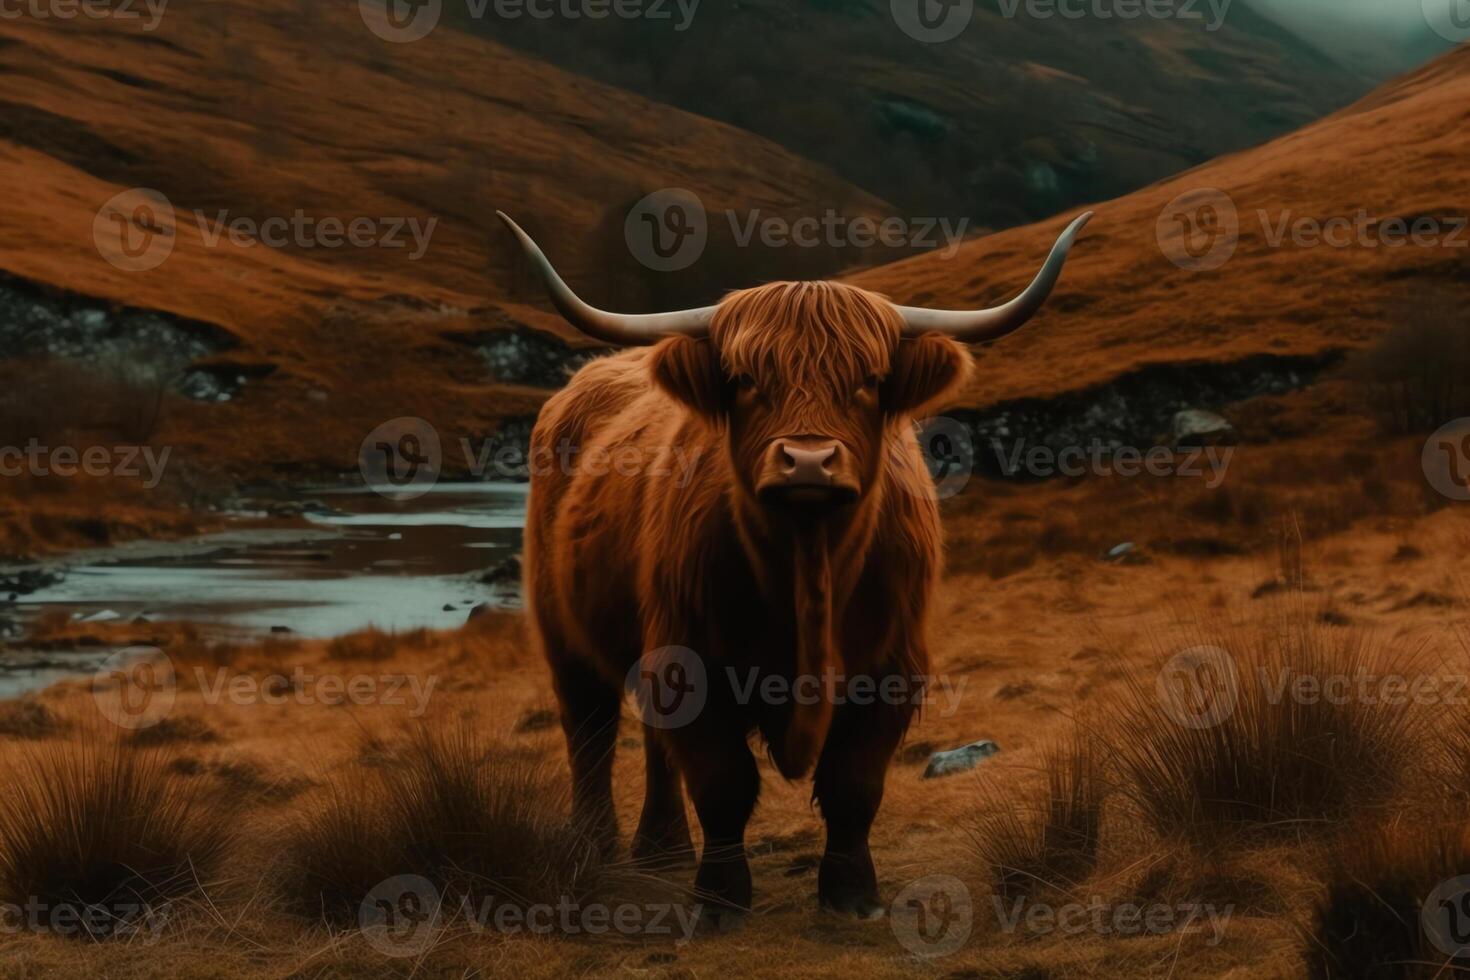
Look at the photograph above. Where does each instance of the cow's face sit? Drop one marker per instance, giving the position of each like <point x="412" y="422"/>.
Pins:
<point x="809" y="381"/>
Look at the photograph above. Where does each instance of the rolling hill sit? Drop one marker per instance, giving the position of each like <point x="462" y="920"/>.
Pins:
<point x="269" y="111"/>
<point x="1123" y="303"/>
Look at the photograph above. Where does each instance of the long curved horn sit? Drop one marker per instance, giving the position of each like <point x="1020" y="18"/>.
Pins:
<point x="627" y="329"/>
<point x="974" y="326"/>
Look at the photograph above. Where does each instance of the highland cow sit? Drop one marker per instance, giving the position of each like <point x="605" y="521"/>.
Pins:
<point x="804" y="545"/>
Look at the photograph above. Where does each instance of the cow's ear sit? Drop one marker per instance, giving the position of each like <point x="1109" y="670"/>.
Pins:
<point x="925" y="371"/>
<point x="690" y="371"/>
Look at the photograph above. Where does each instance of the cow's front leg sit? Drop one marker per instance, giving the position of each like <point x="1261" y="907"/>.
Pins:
<point x="723" y="782"/>
<point x="849" y="787"/>
<point x="662" y="839"/>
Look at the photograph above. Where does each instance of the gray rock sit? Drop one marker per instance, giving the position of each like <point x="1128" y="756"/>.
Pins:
<point x="102" y="616"/>
<point x="962" y="759"/>
<point x="28" y="580"/>
<point x="529" y="357"/>
<point x="506" y="573"/>
<point x="1196" y="427"/>
<point x="1118" y="551"/>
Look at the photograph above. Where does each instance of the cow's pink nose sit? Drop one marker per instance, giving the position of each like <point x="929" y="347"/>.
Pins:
<point x="808" y="465"/>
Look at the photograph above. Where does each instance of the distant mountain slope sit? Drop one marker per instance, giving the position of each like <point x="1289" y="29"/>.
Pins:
<point x="1014" y="118"/>
<point x="1123" y="303"/>
<point x="270" y="110"/>
<point x="264" y="107"/>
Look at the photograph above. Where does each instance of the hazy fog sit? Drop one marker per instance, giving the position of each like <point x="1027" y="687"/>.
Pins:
<point x="1381" y="37"/>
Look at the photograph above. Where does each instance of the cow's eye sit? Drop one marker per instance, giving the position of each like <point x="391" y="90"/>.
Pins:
<point x="745" y="383"/>
<point x="870" y="382"/>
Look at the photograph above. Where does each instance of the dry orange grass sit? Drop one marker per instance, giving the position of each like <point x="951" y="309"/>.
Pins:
<point x="476" y="819"/>
<point x="1273" y="737"/>
<point x="1051" y="841"/>
<point x="97" y="838"/>
<point x="1378" y="915"/>
<point x="1020" y="655"/>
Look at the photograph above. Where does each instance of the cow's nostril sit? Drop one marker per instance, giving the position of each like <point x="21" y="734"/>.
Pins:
<point x="807" y="466"/>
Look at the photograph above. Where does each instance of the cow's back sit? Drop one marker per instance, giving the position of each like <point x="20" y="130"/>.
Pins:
<point x="582" y="523"/>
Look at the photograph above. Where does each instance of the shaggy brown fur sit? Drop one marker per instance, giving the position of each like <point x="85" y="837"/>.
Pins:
<point x="645" y="531"/>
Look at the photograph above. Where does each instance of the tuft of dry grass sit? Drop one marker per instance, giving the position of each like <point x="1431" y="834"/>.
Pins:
<point x="1379" y="913"/>
<point x="1054" y="844"/>
<point x="1253" y="742"/>
<point x="96" y="837"/>
<point x="475" y="819"/>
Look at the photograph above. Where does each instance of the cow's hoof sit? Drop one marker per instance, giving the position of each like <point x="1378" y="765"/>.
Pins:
<point x="720" y="920"/>
<point x="865" y="908"/>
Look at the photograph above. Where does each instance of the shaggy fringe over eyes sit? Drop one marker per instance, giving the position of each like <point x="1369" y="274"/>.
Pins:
<point x="809" y="334"/>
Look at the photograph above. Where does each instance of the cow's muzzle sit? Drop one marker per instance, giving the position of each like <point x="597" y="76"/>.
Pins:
<point x="807" y="472"/>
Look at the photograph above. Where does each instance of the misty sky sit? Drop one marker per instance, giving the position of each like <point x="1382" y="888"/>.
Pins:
<point x="1383" y="37"/>
<point x="1399" y="15"/>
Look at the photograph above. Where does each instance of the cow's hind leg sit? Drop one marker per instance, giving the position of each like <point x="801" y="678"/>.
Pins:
<point x="849" y="787"/>
<point x="662" y="839"/>
<point x="590" y="709"/>
<point x="723" y="783"/>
